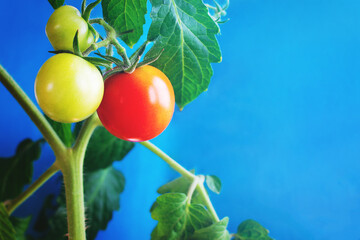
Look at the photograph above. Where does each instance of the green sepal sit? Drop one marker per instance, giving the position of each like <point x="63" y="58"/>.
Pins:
<point x="98" y="61"/>
<point x="83" y="6"/>
<point x="61" y="51"/>
<point x="56" y="3"/>
<point x="89" y="8"/>
<point x="114" y="60"/>
<point x="76" y="46"/>
<point x="138" y="53"/>
<point x="94" y="32"/>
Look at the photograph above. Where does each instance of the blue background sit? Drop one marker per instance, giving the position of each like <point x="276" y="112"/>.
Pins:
<point x="279" y="125"/>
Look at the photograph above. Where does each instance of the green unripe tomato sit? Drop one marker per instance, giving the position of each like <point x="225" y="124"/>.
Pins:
<point x="62" y="26"/>
<point x="68" y="88"/>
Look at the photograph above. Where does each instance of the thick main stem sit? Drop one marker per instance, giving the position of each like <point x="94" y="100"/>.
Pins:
<point x="74" y="191"/>
<point x="72" y="169"/>
<point x="36" y="116"/>
<point x="205" y="198"/>
<point x="14" y="203"/>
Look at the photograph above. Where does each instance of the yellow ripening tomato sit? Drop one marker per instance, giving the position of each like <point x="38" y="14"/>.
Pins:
<point x="68" y="88"/>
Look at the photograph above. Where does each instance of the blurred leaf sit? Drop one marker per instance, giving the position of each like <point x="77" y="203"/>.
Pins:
<point x="216" y="231"/>
<point x="63" y="130"/>
<point x="125" y="15"/>
<point x="186" y="33"/>
<point x="7" y="231"/>
<point x="102" y="196"/>
<point x="56" y="3"/>
<point x="214" y="183"/>
<point x="102" y="190"/>
<point x="252" y="230"/>
<point x="47" y="210"/>
<point x="176" y="218"/>
<point x="57" y="225"/>
<point x="104" y="149"/>
<point x="17" y="171"/>
<point x="20" y="226"/>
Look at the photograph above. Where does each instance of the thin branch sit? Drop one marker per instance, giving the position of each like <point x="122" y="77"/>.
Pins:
<point x="34" y="113"/>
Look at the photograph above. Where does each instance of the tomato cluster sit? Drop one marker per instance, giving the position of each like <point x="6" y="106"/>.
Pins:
<point x="133" y="107"/>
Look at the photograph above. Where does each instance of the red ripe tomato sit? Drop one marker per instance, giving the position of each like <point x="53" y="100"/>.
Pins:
<point x="139" y="106"/>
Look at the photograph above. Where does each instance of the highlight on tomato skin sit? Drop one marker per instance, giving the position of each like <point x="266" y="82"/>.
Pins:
<point x="139" y="106"/>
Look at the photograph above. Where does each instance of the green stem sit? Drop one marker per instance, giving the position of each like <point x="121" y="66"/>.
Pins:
<point x="74" y="191"/>
<point x="14" y="203"/>
<point x="36" y="116"/>
<point x="72" y="169"/>
<point x="173" y="164"/>
<point x="192" y="177"/>
<point x="111" y="35"/>
<point x="95" y="46"/>
<point x="205" y="197"/>
<point x="192" y="189"/>
<point x="85" y="133"/>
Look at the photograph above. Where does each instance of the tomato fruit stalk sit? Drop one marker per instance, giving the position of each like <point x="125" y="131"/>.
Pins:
<point x="139" y="106"/>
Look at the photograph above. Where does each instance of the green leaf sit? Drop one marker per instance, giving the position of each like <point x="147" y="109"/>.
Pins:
<point x="76" y="45"/>
<point x="124" y="15"/>
<point x="102" y="196"/>
<point x="176" y="218"/>
<point x="47" y="210"/>
<point x="57" y="225"/>
<point x="16" y="171"/>
<point x="104" y="149"/>
<point x="214" y="183"/>
<point x="216" y="231"/>
<point x="252" y="230"/>
<point x="20" y="226"/>
<point x="63" y="130"/>
<point x="102" y="190"/>
<point x="56" y="3"/>
<point x="186" y="32"/>
<point x="7" y="231"/>
<point x="180" y="185"/>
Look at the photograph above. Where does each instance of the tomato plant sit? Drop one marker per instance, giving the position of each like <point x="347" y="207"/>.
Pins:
<point x="62" y="26"/>
<point x="68" y="88"/>
<point x="138" y="106"/>
<point x="136" y="103"/>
